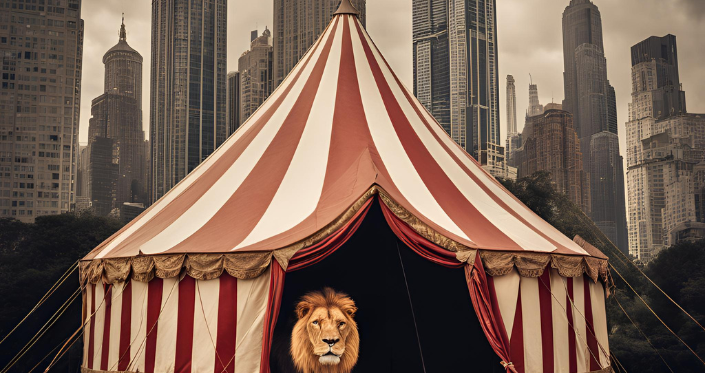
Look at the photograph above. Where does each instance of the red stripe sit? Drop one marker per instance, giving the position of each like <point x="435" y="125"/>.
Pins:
<point x="194" y="192"/>
<point x="105" y="351"/>
<point x="251" y="200"/>
<point x="276" y="288"/>
<point x="591" y="336"/>
<point x="481" y="231"/>
<point x="125" y="328"/>
<point x="184" y="327"/>
<point x="227" y="325"/>
<point x="516" y="345"/>
<point x="546" y="307"/>
<point x="91" y="337"/>
<point x="155" y="291"/>
<point x="572" y="357"/>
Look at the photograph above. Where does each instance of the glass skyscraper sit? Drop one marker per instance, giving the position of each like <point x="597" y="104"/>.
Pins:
<point x="188" y="87"/>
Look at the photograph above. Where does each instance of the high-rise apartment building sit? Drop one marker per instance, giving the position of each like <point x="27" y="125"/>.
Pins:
<point x="255" y="68"/>
<point x="513" y="136"/>
<point x="551" y="144"/>
<point x="41" y="47"/>
<point x="535" y="107"/>
<point x="116" y="158"/>
<point x="431" y="50"/>
<point x="591" y="99"/>
<point x="297" y="25"/>
<point x="188" y="87"/>
<point x="665" y="148"/>
<point x="474" y="83"/>
<point x="233" y="102"/>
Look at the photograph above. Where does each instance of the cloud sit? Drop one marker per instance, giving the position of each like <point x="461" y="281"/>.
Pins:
<point x="696" y="8"/>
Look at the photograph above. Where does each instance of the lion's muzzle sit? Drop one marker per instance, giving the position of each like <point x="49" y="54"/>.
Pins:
<point x="329" y="359"/>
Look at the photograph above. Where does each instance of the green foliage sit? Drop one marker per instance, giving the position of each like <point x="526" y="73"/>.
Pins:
<point x="32" y="258"/>
<point x="679" y="271"/>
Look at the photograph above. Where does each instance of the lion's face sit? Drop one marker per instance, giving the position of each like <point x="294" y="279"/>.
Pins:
<point x="325" y="338"/>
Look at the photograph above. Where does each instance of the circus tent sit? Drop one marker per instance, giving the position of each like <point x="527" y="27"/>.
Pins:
<point x="194" y="284"/>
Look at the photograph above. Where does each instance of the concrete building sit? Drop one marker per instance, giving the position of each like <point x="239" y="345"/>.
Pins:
<point x="665" y="152"/>
<point x="188" y="87"/>
<point x="535" y="107"/>
<point x="432" y="58"/>
<point x="513" y="137"/>
<point x="255" y="70"/>
<point x="233" y="108"/>
<point x="297" y="25"/>
<point x="591" y="99"/>
<point x="41" y="48"/>
<point x="116" y="158"/>
<point x="551" y="144"/>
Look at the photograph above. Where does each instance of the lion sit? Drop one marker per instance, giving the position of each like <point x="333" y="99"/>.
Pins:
<point x="325" y="338"/>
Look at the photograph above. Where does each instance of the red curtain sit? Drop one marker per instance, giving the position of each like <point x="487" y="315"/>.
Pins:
<point x="302" y="259"/>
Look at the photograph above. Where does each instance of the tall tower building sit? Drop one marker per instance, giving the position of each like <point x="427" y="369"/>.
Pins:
<point x="233" y="108"/>
<point x="665" y="151"/>
<point x="116" y="158"/>
<point x="297" y="25"/>
<point x="432" y="58"/>
<point x="41" y="48"/>
<point x="255" y="66"/>
<point x="474" y="83"/>
<point x="188" y="87"/>
<point x="535" y="107"/>
<point x="591" y="99"/>
<point x="511" y="106"/>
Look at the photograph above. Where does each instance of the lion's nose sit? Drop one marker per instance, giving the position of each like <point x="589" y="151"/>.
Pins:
<point x="331" y="342"/>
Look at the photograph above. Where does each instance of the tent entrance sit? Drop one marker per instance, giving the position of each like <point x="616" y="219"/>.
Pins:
<point x="369" y="269"/>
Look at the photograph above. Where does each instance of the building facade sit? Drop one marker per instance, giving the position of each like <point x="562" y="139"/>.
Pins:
<point x="431" y="52"/>
<point x="297" y="25"/>
<point x="233" y="108"/>
<point x="551" y="144"/>
<point x="116" y="158"/>
<point x="41" y="47"/>
<point x="665" y="152"/>
<point x="255" y="70"/>
<point x="188" y="88"/>
<point x="513" y="136"/>
<point x="591" y="99"/>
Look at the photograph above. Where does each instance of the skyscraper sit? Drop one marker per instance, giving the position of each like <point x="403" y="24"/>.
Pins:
<point x="432" y="58"/>
<point x="297" y="25"/>
<point x="116" y="158"/>
<point x="41" y="48"/>
<point x="233" y="108"/>
<point x="665" y="151"/>
<point x="591" y="100"/>
<point x="255" y="67"/>
<point x="511" y="106"/>
<point x="474" y="83"/>
<point x="188" y="88"/>
<point x="535" y="107"/>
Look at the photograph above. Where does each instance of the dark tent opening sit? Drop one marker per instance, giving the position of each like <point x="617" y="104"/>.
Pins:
<point x="371" y="268"/>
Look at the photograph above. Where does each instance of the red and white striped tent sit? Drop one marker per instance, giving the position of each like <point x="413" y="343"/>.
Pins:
<point x="202" y="270"/>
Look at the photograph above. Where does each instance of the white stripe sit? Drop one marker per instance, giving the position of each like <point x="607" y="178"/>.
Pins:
<point x="166" y="329"/>
<point x="205" y="326"/>
<point x="582" y="353"/>
<point x="300" y="190"/>
<point x="531" y="323"/>
<point x="512" y="203"/>
<point x="252" y="300"/>
<point x="115" y="323"/>
<point x="99" y="325"/>
<point x="177" y="190"/>
<point x="561" y="351"/>
<point x="213" y="200"/>
<point x="599" y="318"/>
<point x="87" y="329"/>
<point x="495" y="214"/>
<point x="138" y="326"/>
<point x="400" y="168"/>
<point x="507" y="289"/>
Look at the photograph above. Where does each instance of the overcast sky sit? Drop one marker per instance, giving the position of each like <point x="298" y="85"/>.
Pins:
<point x="529" y="38"/>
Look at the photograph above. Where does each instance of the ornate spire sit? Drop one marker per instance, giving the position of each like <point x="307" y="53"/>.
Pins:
<point x="123" y="33"/>
<point x="346" y="8"/>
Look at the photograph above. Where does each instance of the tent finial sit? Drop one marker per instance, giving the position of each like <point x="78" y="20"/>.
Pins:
<point x="347" y="8"/>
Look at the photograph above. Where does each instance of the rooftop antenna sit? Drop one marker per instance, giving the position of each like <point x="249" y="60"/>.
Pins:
<point x="531" y="80"/>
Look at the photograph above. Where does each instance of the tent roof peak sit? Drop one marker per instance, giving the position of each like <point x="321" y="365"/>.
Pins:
<point x="346" y="8"/>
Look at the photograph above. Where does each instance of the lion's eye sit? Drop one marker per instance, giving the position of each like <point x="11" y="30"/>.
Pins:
<point x="315" y="323"/>
<point x="342" y="324"/>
